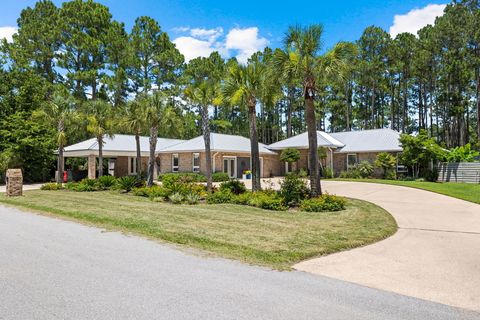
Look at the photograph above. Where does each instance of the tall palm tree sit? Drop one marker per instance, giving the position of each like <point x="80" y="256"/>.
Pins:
<point x="133" y="120"/>
<point x="243" y="86"/>
<point x="100" y="123"/>
<point x="59" y="111"/>
<point x="300" y="57"/>
<point x="204" y="94"/>
<point x="204" y="75"/>
<point x="161" y="118"/>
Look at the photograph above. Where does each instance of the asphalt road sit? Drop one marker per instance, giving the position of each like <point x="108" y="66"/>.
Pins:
<point x="55" y="269"/>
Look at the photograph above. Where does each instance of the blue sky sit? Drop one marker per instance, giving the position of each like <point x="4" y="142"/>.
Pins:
<point x="239" y="28"/>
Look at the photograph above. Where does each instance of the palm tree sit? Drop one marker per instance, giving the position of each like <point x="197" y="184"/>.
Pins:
<point x="204" y="76"/>
<point x="133" y="120"/>
<point x="59" y="111"/>
<point x="300" y="57"/>
<point x="100" y="123"/>
<point x="204" y="94"/>
<point x="243" y="86"/>
<point x="161" y="118"/>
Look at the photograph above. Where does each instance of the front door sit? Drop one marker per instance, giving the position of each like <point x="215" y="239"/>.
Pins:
<point x="229" y="167"/>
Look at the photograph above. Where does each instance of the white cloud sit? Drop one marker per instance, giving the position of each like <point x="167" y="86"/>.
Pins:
<point x="180" y="29"/>
<point x="7" y="33"/>
<point x="210" y="34"/>
<point x="192" y="48"/>
<point x="246" y="41"/>
<point x="416" y="19"/>
<point x="238" y="42"/>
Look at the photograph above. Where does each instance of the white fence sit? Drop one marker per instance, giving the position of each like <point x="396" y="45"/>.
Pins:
<point x="468" y="172"/>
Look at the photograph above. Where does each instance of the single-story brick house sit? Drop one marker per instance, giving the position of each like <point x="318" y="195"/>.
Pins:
<point x="120" y="150"/>
<point x="344" y="149"/>
<point x="231" y="153"/>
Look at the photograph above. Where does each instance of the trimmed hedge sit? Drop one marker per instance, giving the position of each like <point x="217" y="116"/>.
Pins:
<point x="325" y="202"/>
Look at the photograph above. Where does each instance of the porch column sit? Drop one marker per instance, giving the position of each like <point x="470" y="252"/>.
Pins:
<point x="92" y="170"/>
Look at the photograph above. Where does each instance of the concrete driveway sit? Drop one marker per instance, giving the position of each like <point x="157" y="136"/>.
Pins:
<point x="26" y="187"/>
<point x="56" y="269"/>
<point x="435" y="254"/>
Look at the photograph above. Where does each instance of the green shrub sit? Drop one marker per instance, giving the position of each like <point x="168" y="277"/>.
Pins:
<point x="106" y="182"/>
<point x="71" y="185"/>
<point x="267" y="200"/>
<point x="234" y="186"/>
<point x="220" y="177"/>
<point x="86" y="185"/>
<point x="242" y="199"/>
<point x="365" y="169"/>
<point x="430" y="175"/>
<point x="192" y="198"/>
<point x="391" y="175"/>
<point x="325" y="202"/>
<point x="351" y="173"/>
<point x="293" y="189"/>
<point x="302" y="173"/>
<point x="387" y="162"/>
<point x="151" y="192"/>
<point x="176" y="198"/>
<point x="51" y="186"/>
<point x="327" y="173"/>
<point x="127" y="183"/>
<point x="219" y="197"/>
<point x="182" y="177"/>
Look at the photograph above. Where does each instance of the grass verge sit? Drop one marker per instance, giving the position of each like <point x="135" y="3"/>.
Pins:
<point x="274" y="239"/>
<point x="464" y="191"/>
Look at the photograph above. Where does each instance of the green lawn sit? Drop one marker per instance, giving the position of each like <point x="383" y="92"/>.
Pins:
<point x="274" y="239"/>
<point x="465" y="191"/>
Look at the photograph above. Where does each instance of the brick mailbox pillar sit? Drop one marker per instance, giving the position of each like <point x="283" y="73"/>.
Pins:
<point x="14" y="185"/>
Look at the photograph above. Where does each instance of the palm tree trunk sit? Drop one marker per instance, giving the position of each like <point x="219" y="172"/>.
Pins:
<point x="100" y="156"/>
<point x="139" y="155"/>
<point x="206" y="139"/>
<point x="151" y="157"/>
<point x="315" y="186"/>
<point x="255" y="154"/>
<point x="60" y="164"/>
<point x="289" y="110"/>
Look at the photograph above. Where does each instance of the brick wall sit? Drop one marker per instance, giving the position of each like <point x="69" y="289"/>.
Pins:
<point x="121" y="166"/>
<point x="271" y="163"/>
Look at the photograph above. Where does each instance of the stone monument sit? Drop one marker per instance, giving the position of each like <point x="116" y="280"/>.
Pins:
<point x="14" y="185"/>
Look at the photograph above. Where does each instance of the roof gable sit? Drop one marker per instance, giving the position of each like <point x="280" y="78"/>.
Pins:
<point x="218" y="142"/>
<point x="376" y="140"/>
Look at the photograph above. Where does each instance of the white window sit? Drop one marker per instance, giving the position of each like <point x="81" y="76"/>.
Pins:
<point x="196" y="162"/>
<point x="132" y="165"/>
<point x="351" y="160"/>
<point x="175" y="162"/>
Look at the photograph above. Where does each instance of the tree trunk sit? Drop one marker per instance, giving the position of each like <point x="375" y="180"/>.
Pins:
<point x="255" y="155"/>
<point x="60" y="164"/>
<point x="206" y="139"/>
<point x="315" y="187"/>
<point x="139" y="155"/>
<point x="100" y="156"/>
<point x="289" y="111"/>
<point x="151" y="156"/>
<point x="478" y="104"/>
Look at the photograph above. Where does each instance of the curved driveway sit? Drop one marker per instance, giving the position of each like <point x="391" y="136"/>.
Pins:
<point x="435" y="254"/>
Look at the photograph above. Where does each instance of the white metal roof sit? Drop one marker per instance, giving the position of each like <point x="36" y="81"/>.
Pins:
<point x="118" y="145"/>
<point x="218" y="143"/>
<point x="301" y="142"/>
<point x="376" y="140"/>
